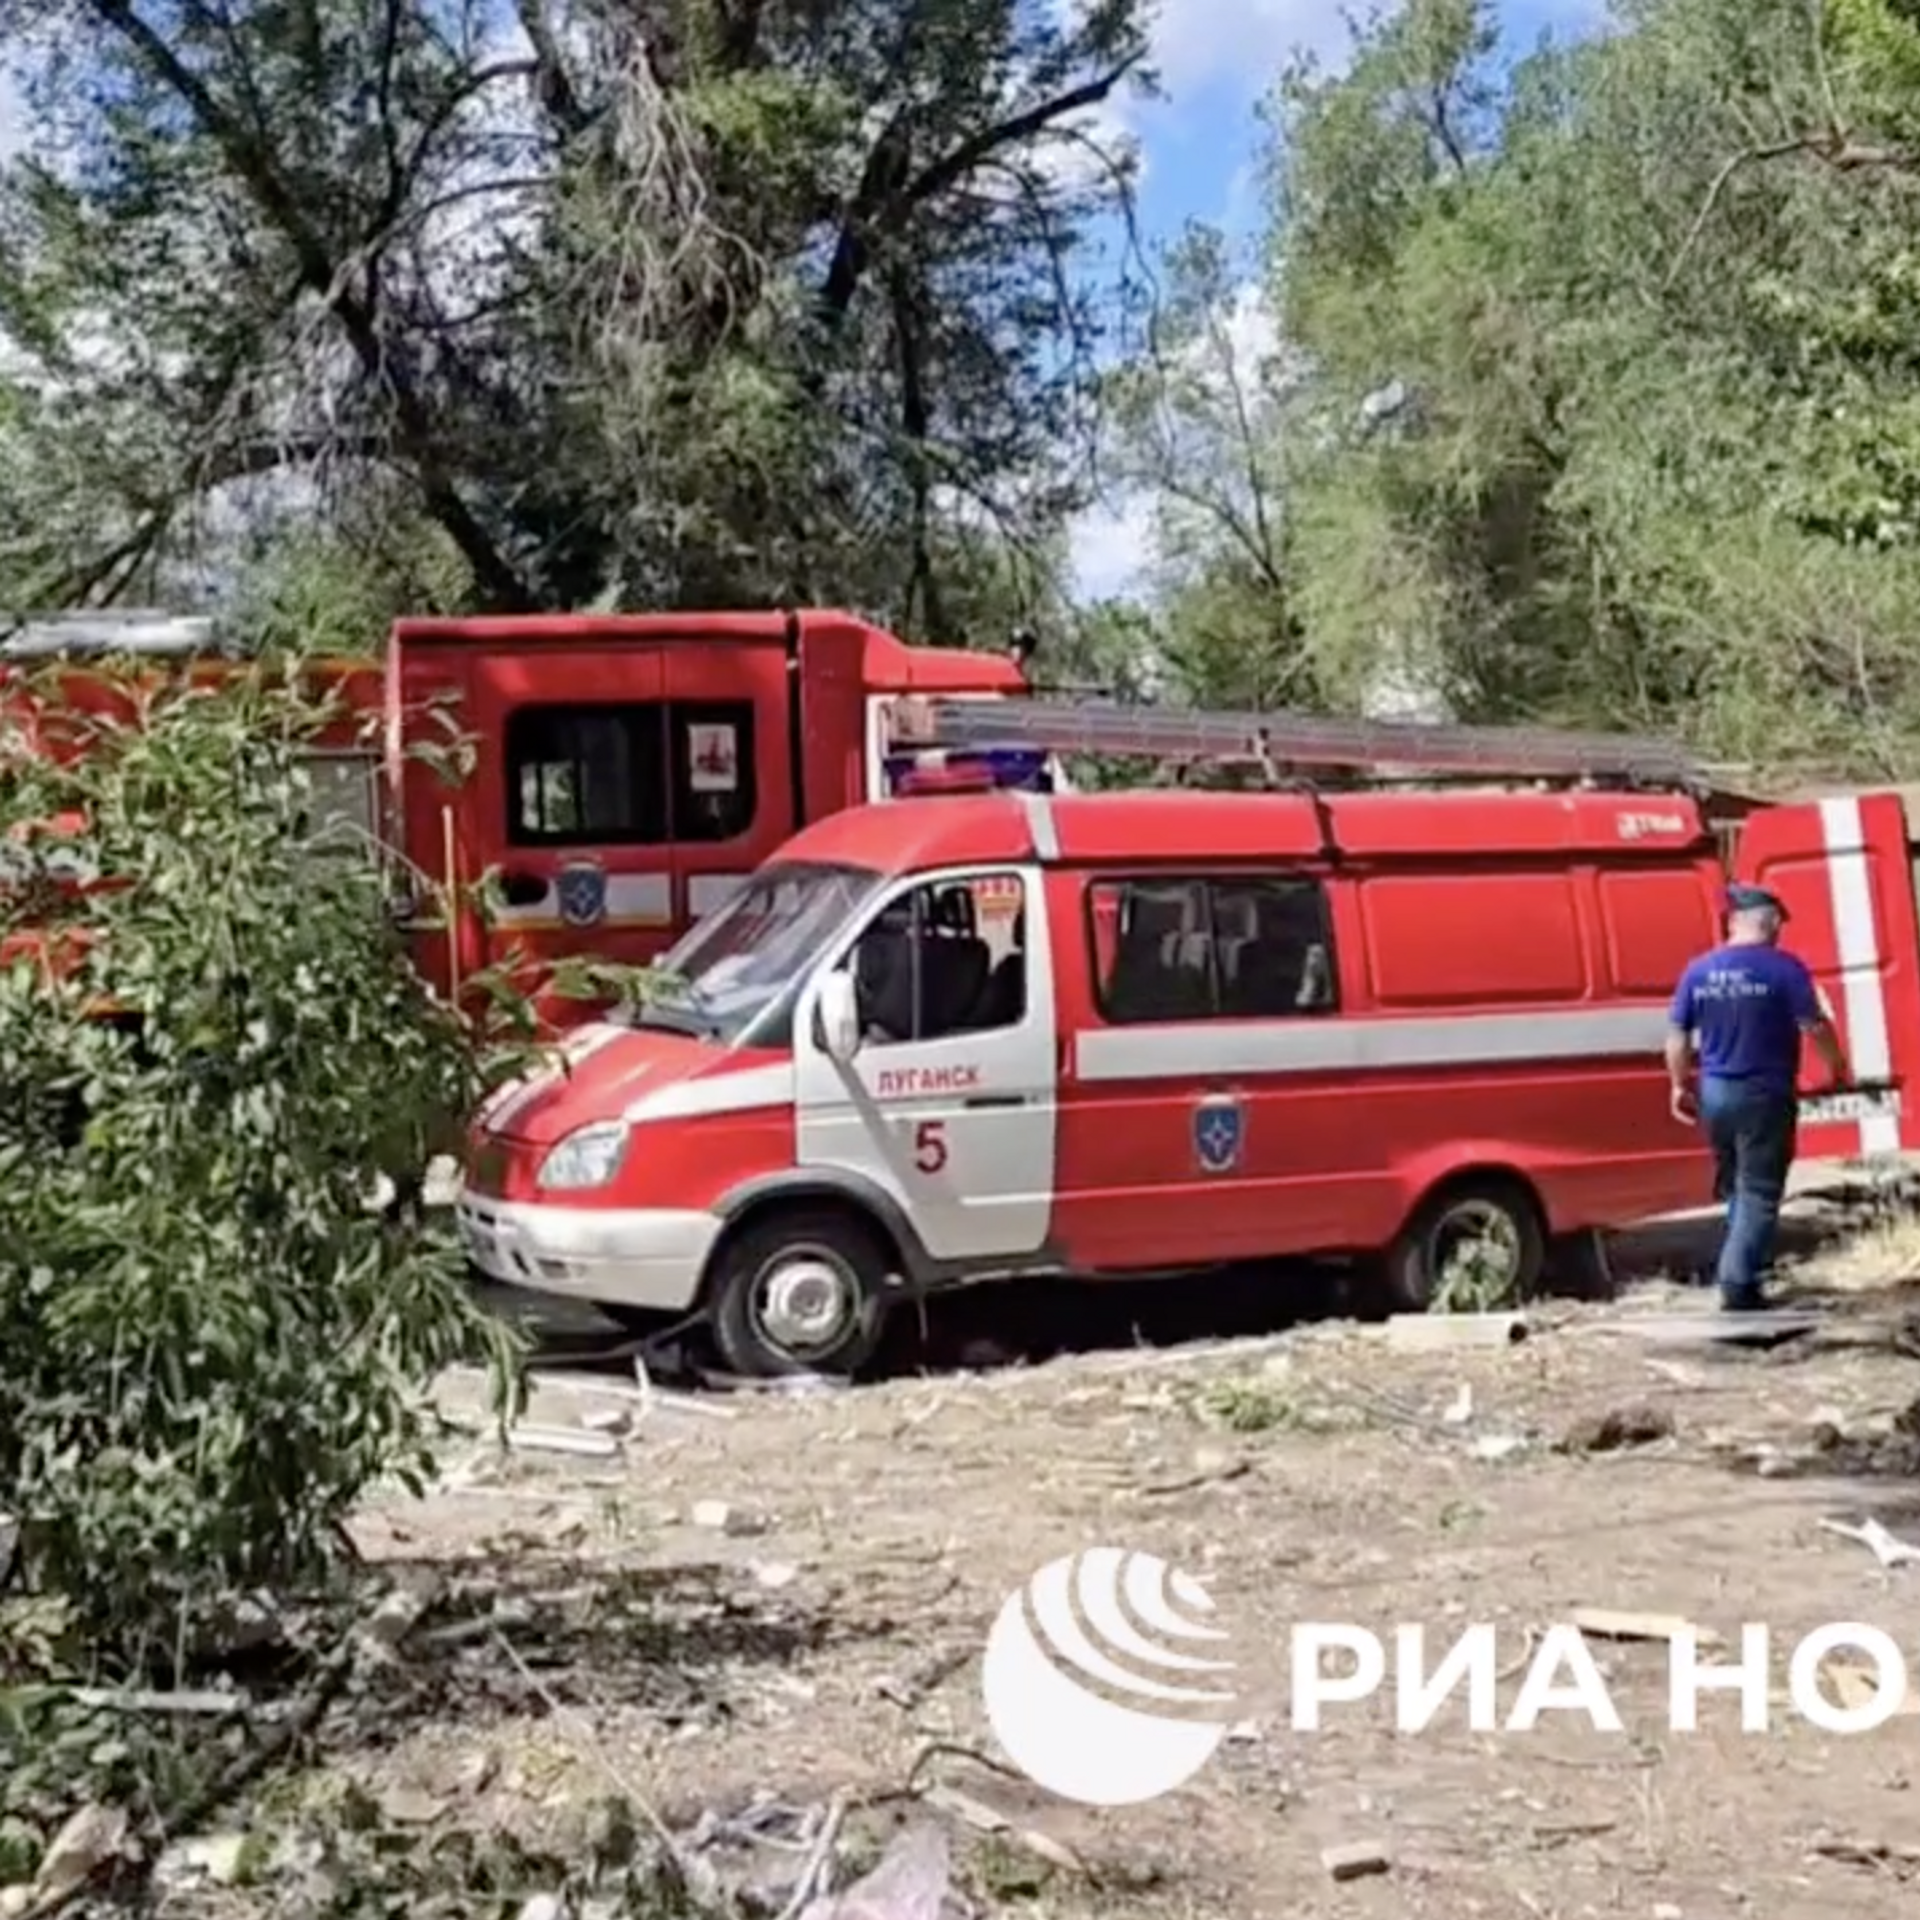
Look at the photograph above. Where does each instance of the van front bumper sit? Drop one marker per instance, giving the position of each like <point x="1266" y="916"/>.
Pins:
<point x="649" y="1258"/>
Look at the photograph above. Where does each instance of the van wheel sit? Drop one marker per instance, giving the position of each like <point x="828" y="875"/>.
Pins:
<point x="800" y="1292"/>
<point x="1471" y="1247"/>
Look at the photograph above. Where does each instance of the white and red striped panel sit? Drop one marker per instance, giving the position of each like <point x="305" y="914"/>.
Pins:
<point x="1843" y="869"/>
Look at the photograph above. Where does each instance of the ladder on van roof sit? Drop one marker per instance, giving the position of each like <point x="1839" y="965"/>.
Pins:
<point x="1298" y="741"/>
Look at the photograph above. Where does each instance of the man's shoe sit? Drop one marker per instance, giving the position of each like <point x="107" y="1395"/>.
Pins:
<point x="1749" y="1302"/>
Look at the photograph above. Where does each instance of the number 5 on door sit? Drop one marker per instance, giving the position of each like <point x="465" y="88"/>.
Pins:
<point x="930" y="1146"/>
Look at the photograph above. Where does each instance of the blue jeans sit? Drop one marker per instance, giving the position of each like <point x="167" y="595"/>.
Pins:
<point x="1752" y="1129"/>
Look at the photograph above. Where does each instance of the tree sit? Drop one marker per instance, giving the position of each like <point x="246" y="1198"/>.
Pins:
<point x="1197" y="424"/>
<point x="214" y="1344"/>
<point x="721" y="302"/>
<point x="1608" y="362"/>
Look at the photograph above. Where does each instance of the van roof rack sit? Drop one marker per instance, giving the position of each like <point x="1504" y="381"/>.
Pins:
<point x="1298" y="743"/>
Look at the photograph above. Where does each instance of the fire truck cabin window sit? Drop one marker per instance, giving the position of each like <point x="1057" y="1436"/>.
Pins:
<point x="633" y="774"/>
<point x="948" y="958"/>
<point x="1240" y="947"/>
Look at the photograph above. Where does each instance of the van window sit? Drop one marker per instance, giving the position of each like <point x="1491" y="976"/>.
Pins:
<point x="947" y="958"/>
<point x="639" y="773"/>
<point x="1240" y="947"/>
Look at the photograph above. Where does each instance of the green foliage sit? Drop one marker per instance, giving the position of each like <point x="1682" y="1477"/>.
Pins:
<point x="1655" y="457"/>
<point x="755" y="307"/>
<point x="214" y="1343"/>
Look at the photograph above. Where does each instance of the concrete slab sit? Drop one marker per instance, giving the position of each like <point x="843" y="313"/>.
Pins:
<point x="1767" y="1329"/>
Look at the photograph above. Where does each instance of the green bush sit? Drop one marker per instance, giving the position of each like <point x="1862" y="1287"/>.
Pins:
<point x="210" y="1343"/>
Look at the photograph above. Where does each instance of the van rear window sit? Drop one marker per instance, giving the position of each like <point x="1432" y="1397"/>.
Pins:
<point x="1213" y="947"/>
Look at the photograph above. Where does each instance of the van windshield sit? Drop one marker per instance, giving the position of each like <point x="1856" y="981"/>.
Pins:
<point x="729" y="969"/>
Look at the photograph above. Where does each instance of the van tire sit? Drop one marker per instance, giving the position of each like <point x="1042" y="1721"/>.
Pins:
<point x="1414" y="1267"/>
<point x="797" y="1268"/>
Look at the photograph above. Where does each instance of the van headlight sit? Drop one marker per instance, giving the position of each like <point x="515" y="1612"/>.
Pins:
<point x="587" y="1157"/>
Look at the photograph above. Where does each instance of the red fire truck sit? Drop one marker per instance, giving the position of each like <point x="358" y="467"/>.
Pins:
<point x="1133" y="1032"/>
<point x="629" y="773"/>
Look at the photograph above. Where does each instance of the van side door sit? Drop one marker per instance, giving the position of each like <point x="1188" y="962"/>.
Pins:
<point x="1204" y="1120"/>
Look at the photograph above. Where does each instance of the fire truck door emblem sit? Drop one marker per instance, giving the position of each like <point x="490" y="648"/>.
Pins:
<point x="582" y="887"/>
<point x="1219" y="1134"/>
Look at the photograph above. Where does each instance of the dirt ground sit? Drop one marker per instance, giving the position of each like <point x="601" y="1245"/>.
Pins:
<point x="787" y="1593"/>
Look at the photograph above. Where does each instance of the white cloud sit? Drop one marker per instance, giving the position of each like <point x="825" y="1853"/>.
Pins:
<point x="1111" y="547"/>
<point x="13" y="116"/>
<point x="1197" y="43"/>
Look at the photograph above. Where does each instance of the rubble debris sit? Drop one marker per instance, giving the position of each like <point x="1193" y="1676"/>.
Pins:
<point x="1866" y="1853"/>
<point x="1637" y="1425"/>
<point x="91" y="1839"/>
<point x="1885" y="1547"/>
<point x="1855" y="1688"/>
<point x="394" y="1617"/>
<point x="910" y="1883"/>
<point x="216" y="1857"/>
<point x="1764" y="1329"/>
<point x="1355" y="1859"/>
<point x="1604" y="1623"/>
<point x="409" y="1807"/>
<point x="532" y="1439"/>
<point x="910" y="1689"/>
<point x="985" y="1819"/>
<point x="213" y="1702"/>
<point x="717" y="1516"/>
<point x="1498" y="1446"/>
<point x="1429" y="1332"/>
<point x="1460" y="1407"/>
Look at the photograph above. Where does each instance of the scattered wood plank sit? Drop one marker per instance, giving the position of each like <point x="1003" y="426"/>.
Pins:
<point x="532" y="1439"/>
<point x="1604" y="1623"/>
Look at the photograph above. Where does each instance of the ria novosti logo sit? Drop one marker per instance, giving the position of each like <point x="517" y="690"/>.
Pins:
<point x="1064" y="1663"/>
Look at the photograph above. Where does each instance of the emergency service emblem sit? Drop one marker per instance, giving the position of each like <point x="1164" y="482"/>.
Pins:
<point x="582" y="886"/>
<point x="1219" y="1132"/>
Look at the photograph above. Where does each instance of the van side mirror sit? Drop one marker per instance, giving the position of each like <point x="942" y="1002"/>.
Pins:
<point x="838" y="1012"/>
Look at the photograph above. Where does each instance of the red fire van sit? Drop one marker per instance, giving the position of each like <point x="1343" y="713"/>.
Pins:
<point x="1111" y="1034"/>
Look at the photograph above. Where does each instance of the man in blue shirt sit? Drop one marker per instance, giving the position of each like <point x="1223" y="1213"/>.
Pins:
<point x="1744" y="1007"/>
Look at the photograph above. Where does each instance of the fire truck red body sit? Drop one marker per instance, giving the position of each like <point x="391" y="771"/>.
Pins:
<point x="634" y="770"/>
<point x="628" y="771"/>
<point x="1132" y="1032"/>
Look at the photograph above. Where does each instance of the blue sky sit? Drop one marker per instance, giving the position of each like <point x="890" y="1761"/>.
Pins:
<point x="1217" y="58"/>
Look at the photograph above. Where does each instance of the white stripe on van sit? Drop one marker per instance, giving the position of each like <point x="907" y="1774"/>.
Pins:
<point x="1311" y="1044"/>
<point x="643" y="897"/>
<point x="1038" y="808"/>
<point x="506" y="1102"/>
<point x="1857" y="940"/>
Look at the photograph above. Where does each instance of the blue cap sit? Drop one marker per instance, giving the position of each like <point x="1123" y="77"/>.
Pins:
<point x="1744" y="899"/>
